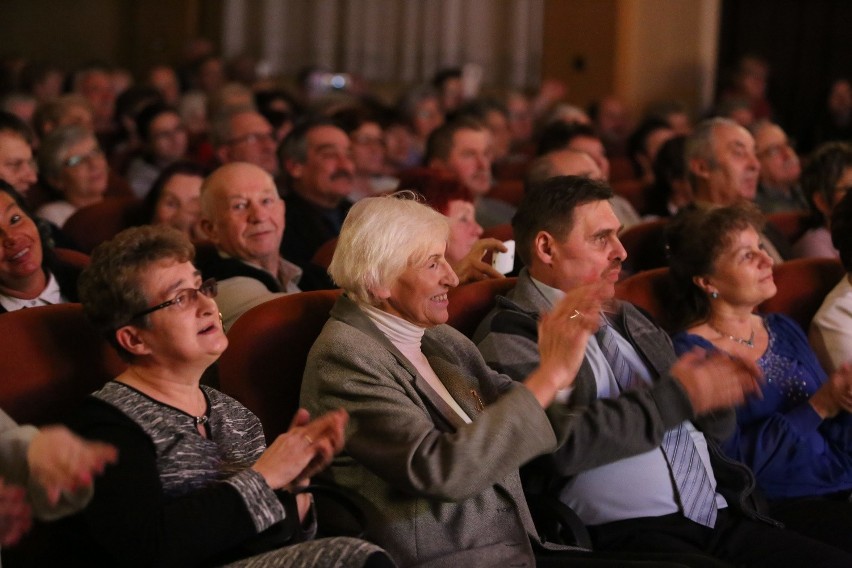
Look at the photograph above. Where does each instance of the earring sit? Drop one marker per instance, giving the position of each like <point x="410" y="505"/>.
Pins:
<point x="221" y="321"/>
<point x="714" y="295"/>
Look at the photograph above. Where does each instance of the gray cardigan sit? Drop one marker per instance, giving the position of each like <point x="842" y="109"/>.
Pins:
<point x="436" y="491"/>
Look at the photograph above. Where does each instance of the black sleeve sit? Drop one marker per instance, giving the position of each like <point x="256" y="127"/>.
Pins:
<point x="130" y="518"/>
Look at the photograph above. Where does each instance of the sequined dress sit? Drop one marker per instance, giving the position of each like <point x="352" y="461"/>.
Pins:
<point x="792" y="451"/>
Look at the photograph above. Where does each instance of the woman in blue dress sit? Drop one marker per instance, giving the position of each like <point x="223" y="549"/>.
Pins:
<point x="796" y="436"/>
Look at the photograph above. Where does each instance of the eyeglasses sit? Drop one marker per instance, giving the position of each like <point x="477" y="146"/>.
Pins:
<point x="184" y="298"/>
<point x="74" y="161"/>
<point x="252" y="138"/>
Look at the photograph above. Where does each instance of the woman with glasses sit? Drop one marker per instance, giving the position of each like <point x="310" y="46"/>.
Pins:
<point x="30" y="273"/>
<point x="195" y="484"/>
<point x="71" y="162"/>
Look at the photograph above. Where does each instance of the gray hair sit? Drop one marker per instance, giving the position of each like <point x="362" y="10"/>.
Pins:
<point x="380" y="238"/>
<point x="220" y="128"/>
<point x="52" y="151"/>
<point x="699" y="144"/>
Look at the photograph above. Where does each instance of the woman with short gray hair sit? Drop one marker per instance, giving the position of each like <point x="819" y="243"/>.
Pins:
<point x="436" y="437"/>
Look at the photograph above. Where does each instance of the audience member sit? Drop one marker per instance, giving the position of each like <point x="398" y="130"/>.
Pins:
<point x="20" y="104"/>
<point x="30" y="273"/>
<point x="92" y="81"/>
<point x="195" y="472"/>
<point x="520" y="122"/>
<point x="675" y="114"/>
<point x="644" y="144"/>
<point x="612" y="124"/>
<point x="420" y="107"/>
<point x="164" y="142"/>
<point x="73" y="163"/>
<point x="67" y="110"/>
<point x="165" y="80"/>
<point x="671" y="191"/>
<point x="464" y="147"/>
<point x="241" y="134"/>
<point x="641" y="465"/>
<point x="749" y="84"/>
<point x="724" y="169"/>
<point x="436" y="437"/>
<point x="17" y="166"/>
<point x="279" y="108"/>
<point x="243" y="216"/>
<point x="368" y="153"/>
<point x="825" y="180"/>
<point x="831" y="328"/>
<point x="835" y="122"/>
<point x="42" y="80"/>
<point x="448" y="83"/>
<point x="793" y="434"/>
<point x="495" y="117"/>
<point x="317" y="158"/>
<point x="581" y="138"/>
<point x="778" y="189"/>
<point x="175" y="199"/>
<point x="446" y="194"/>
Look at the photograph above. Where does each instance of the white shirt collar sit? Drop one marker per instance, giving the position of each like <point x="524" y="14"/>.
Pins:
<point x="50" y="295"/>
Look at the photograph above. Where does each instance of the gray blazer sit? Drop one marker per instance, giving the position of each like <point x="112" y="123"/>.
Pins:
<point x="436" y="491"/>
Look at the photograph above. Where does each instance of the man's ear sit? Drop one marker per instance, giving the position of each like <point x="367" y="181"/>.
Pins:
<point x="209" y="230"/>
<point x="223" y="154"/>
<point x="131" y="340"/>
<point x="699" y="167"/>
<point x="543" y="247"/>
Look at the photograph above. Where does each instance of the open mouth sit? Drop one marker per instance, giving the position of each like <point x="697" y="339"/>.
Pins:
<point x="207" y="330"/>
<point x="440" y="297"/>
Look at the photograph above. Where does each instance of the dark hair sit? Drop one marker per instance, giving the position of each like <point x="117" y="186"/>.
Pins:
<point x="669" y="166"/>
<point x="823" y="170"/>
<point x="264" y="100"/>
<point x="695" y="238"/>
<point x="12" y="123"/>
<point x="558" y="135"/>
<point x="444" y="75"/>
<point x="841" y="230"/>
<point x="440" y="142"/>
<point x="295" y="145"/>
<point x="182" y="167"/>
<point x="148" y="114"/>
<point x="437" y="187"/>
<point x="637" y="143"/>
<point x="479" y="109"/>
<point x="109" y="287"/>
<point x="549" y="206"/>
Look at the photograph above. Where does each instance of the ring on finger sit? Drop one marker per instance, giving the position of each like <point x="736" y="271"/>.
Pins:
<point x="308" y="439"/>
<point x="575" y="315"/>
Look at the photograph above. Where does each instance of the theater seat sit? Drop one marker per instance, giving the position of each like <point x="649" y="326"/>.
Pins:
<point x="502" y="232"/>
<point x="802" y="286"/>
<point x="510" y="191"/>
<point x="90" y="226"/>
<point x="645" y="244"/>
<point x="51" y="358"/>
<point x="265" y="359"/>
<point x="791" y="224"/>
<point x="651" y="290"/>
<point x="72" y="258"/>
<point x="469" y="304"/>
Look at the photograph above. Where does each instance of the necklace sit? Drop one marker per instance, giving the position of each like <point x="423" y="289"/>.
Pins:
<point x="747" y="342"/>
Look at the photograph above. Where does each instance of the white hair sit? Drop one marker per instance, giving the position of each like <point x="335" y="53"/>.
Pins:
<point x="380" y="238"/>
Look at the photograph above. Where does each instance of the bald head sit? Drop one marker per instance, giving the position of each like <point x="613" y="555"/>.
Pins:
<point x="563" y="163"/>
<point x="242" y="213"/>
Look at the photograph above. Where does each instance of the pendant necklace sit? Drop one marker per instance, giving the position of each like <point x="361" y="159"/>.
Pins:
<point x="742" y="341"/>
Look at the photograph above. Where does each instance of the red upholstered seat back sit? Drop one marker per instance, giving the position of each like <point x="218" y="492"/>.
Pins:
<point x="50" y="358"/>
<point x="802" y="286"/>
<point x="90" y="226"/>
<point x="469" y="304"/>
<point x="791" y="224"/>
<point x="650" y="290"/>
<point x="265" y="359"/>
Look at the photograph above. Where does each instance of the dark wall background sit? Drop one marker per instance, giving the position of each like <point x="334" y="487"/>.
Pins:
<point x="808" y="43"/>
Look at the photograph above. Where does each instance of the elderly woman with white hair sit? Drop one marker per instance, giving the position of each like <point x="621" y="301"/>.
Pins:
<point x="436" y="437"/>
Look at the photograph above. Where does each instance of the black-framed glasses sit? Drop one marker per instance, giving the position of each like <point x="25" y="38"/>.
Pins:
<point x="184" y="298"/>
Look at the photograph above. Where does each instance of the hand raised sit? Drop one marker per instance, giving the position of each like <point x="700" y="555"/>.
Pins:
<point x="62" y="461"/>
<point x="471" y="268"/>
<point x="714" y="380"/>
<point x="835" y="394"/>
<point x="305" y="449"/>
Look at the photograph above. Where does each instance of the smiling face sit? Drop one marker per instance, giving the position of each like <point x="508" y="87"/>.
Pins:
<point x="243" y="214"/>
<point x="419" y="295"/>
<point x="188" y="334"/>
<point x="742" y="273"/>
<point x="464" y="230"/>
<point x="179" y="205"/>
<point x="590" y="253"/>
<point x="20" y="247"/>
